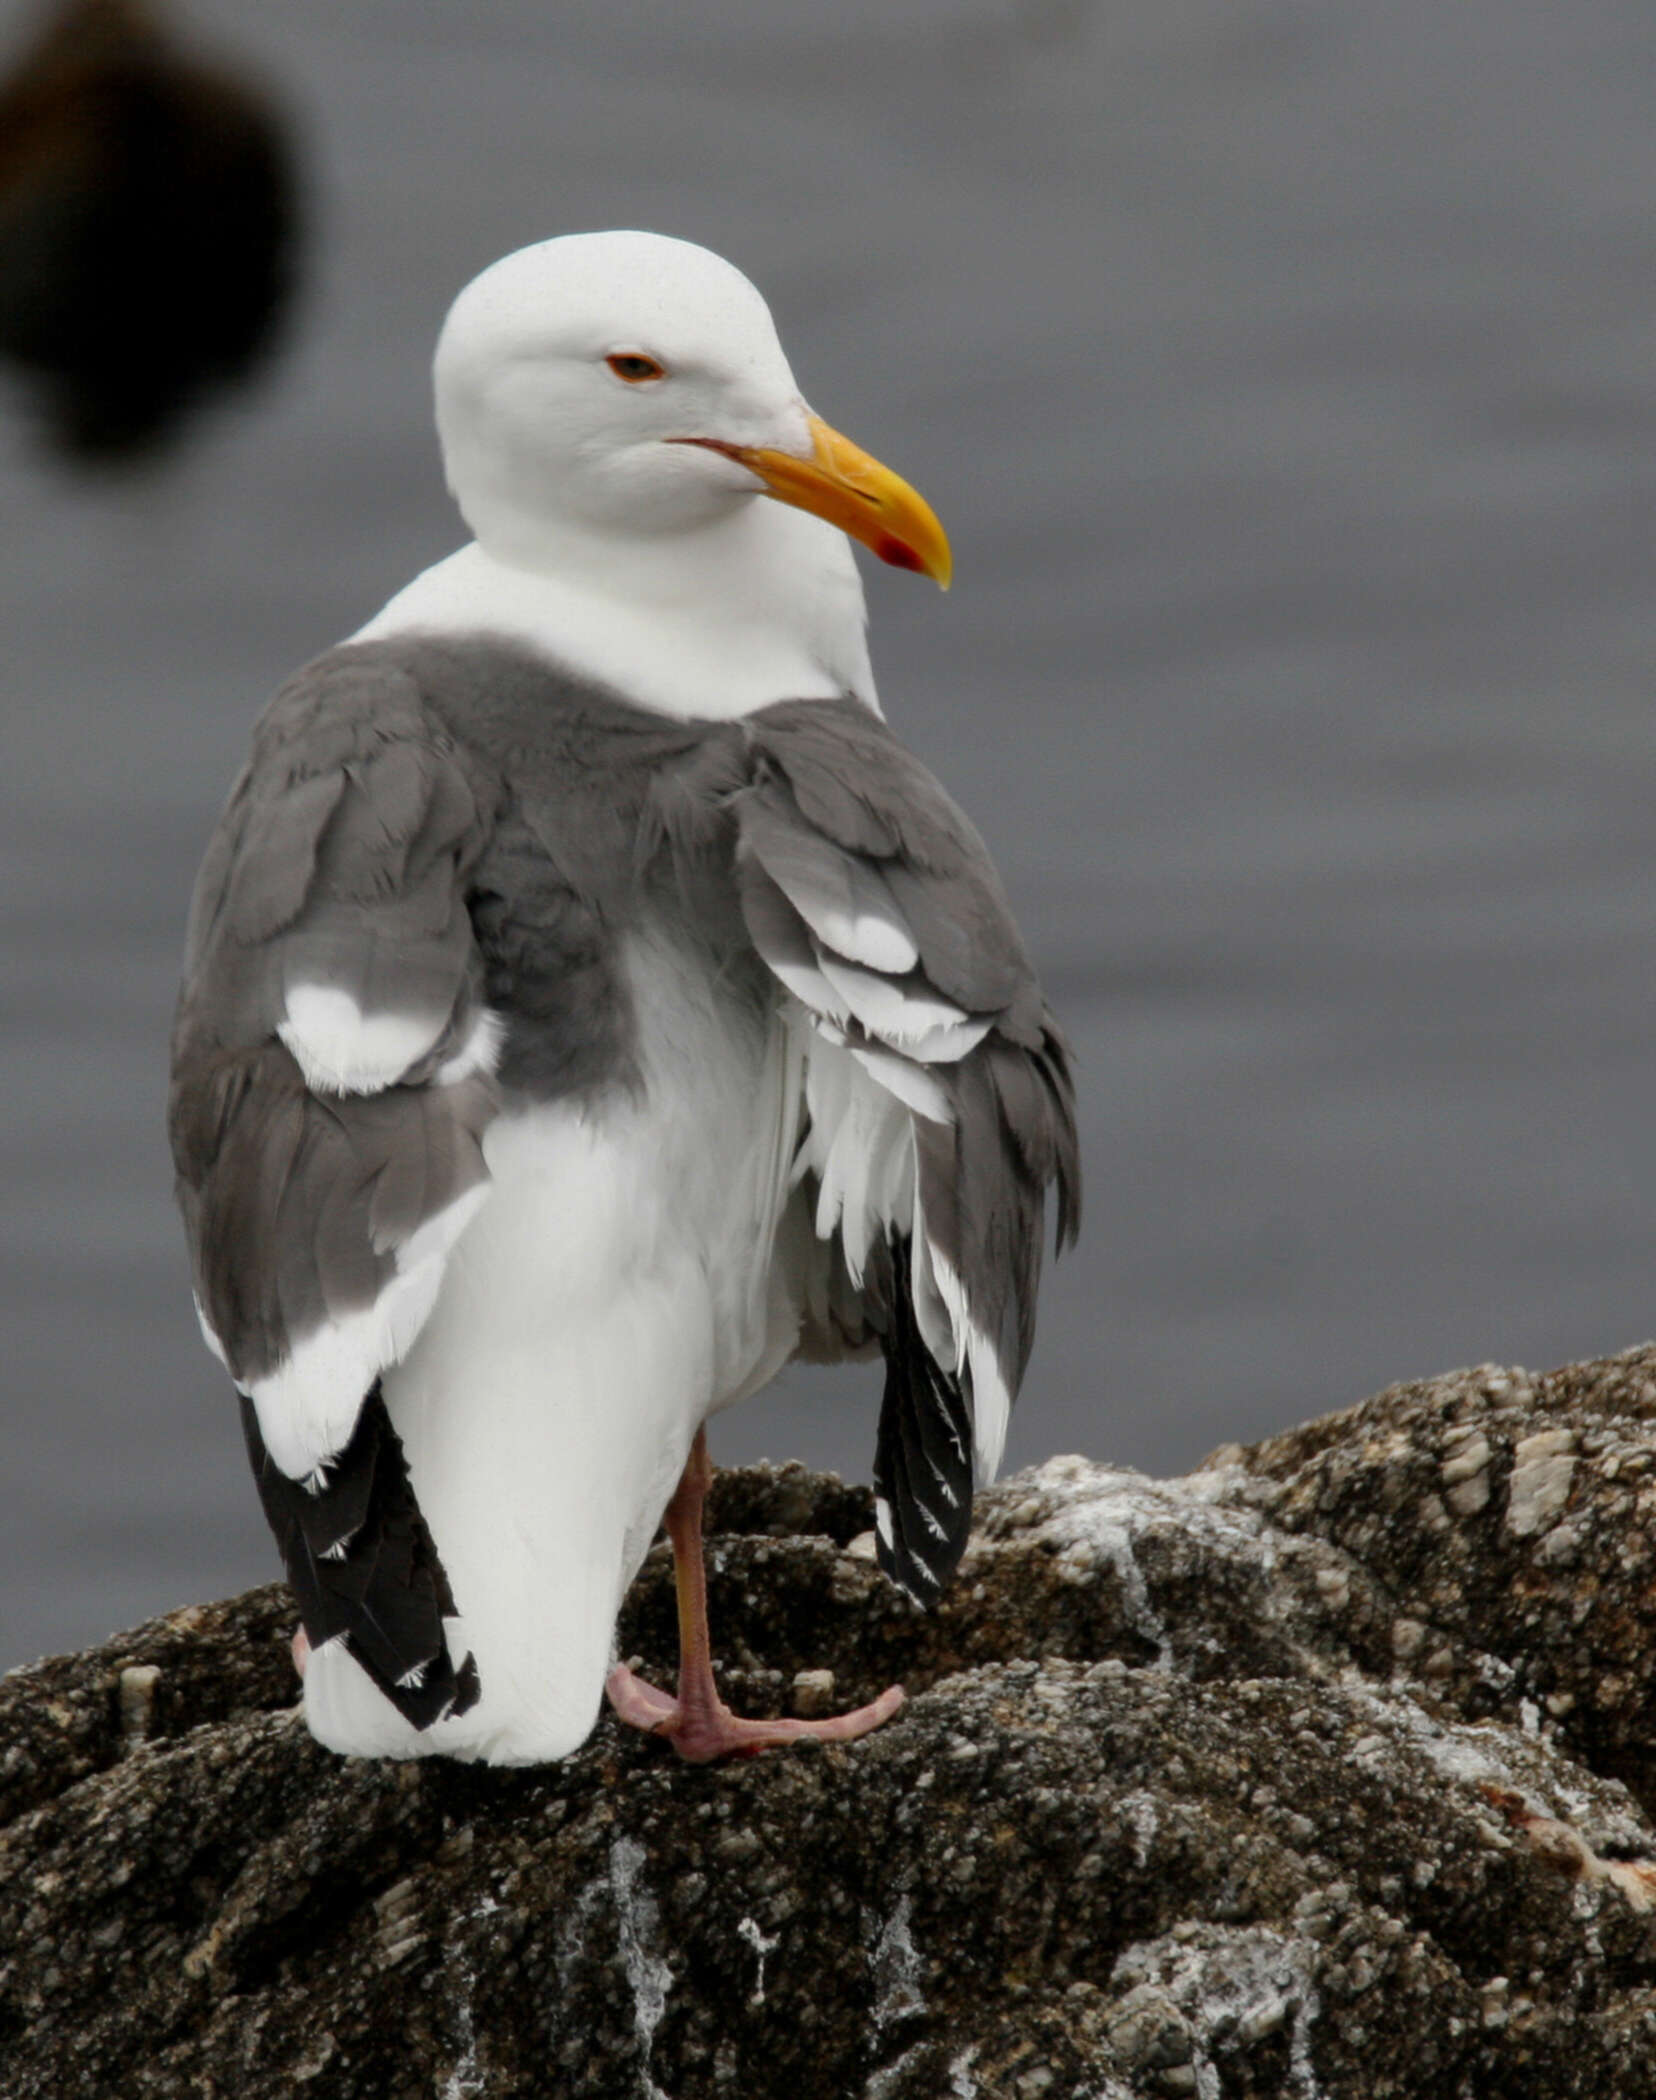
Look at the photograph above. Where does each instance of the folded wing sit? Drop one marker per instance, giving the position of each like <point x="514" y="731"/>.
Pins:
<point x="938" y="1091"/>
<point x="332" y="1080"/>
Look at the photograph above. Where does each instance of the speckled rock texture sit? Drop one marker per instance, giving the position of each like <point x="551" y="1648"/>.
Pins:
<point x="1326" y="1771"/>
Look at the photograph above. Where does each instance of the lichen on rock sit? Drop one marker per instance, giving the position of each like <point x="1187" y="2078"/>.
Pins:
<point x="1323" y="1772"/>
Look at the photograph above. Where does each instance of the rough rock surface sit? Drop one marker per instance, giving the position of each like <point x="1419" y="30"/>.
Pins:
<point x="1327" y="1771"/>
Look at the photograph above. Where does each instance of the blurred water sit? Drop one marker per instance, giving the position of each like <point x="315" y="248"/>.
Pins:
<point x="1286" y="376"/>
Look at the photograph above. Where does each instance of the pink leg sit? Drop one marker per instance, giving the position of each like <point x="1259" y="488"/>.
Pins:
<point x="301" y="1651"/>
<point x="699" y="1725"/>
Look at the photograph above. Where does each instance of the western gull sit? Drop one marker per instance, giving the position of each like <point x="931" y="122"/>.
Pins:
<point x="589" y="1007"/>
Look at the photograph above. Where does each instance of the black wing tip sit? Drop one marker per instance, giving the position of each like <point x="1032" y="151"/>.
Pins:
<point x="440" y="1694"/>
<point x="468" y="1687"/>
<point x="921" y="1581"/>
<point x="923" y="1469"/>
<point x="363" y="1566"/>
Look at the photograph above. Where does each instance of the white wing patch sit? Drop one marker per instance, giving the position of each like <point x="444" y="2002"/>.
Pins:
<point x="922" y="1024"/>
<point x="830" y="928"/>
<point x="915" y="1089"/>
<point x="840" y="988"/>
<point x="780" y="936"/>
<point x="863" y="923"/>
<point x="973" y="1352"/>
<point x="308" y="1406"/>
<point x="846" y="903"/>
<point x="207" y="1334"/>
<point x="860" y="1145"/>
<point x="342" y="1050"/>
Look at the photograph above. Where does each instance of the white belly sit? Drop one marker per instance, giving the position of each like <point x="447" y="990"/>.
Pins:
<point x="619" y="1285"/>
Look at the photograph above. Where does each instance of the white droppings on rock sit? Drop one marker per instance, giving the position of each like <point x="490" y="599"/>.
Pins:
<point x="1092" y="1517"/>
<point x="895" y="1961"/>
<point x="1234" y="1984"/>
<point x="749" y="1930"/>
<point x="464" y="2081"/>
<point x="1306" y="2006"/>
<point x="1542" y="1472"/>
<point x="467" y="2080"/>
<point x="886" y="2079"/>
<point x="1115" y="1543"/>
<point x="648" y="1976"/>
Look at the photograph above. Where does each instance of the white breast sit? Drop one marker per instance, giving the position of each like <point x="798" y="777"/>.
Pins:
<point x="619" y="1286"/>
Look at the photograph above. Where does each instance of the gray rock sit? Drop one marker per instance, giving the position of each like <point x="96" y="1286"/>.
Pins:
<point x="1323" y="1772"/>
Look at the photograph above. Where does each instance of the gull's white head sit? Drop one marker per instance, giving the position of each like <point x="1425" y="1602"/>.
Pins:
<point x="621" y="386"/>
<point x="654" y="505"/>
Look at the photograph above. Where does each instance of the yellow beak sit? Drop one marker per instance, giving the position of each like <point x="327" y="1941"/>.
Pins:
<point x="842" y="483"/>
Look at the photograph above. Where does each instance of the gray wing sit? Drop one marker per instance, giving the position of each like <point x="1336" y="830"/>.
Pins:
<point x="938" y="1093"/>
<point x="332" y="1078"/>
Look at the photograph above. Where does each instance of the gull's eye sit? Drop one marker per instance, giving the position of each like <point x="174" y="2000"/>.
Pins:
<point x="634" y="367"/>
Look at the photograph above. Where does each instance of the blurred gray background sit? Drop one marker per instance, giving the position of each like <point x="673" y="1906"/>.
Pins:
<point x="1286" y="376"/>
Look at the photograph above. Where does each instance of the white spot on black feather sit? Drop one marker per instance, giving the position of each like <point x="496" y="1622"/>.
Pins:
<point x="943" y="1486"/>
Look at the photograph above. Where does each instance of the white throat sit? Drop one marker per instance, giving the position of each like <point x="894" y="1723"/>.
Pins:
<point x="764" y="605"/>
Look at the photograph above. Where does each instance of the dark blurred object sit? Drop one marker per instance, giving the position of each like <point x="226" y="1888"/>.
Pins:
<point x="148" y="227"/>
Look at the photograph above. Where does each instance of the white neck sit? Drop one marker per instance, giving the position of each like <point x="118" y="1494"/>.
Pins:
<point x="764" y="605"/>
